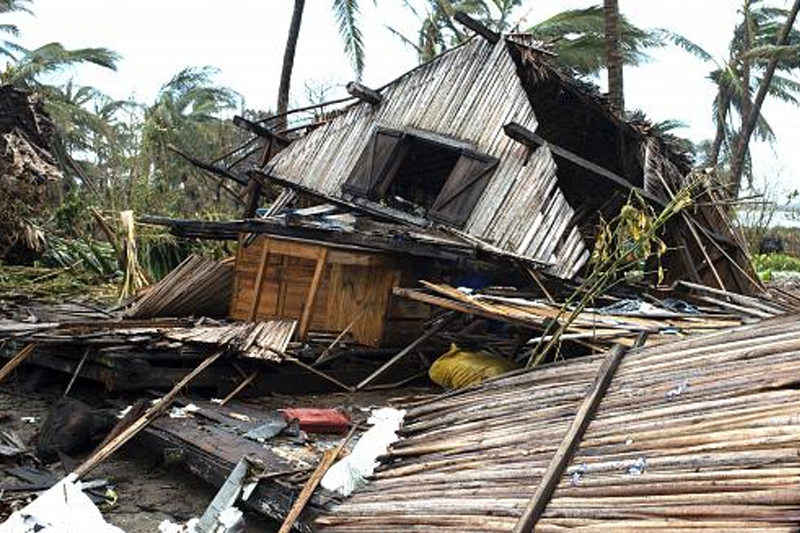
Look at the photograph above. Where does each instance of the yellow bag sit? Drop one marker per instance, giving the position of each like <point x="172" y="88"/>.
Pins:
<point x="459" y="368"/>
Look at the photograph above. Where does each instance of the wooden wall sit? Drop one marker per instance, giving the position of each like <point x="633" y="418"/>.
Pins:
<point x="354" y="286"/>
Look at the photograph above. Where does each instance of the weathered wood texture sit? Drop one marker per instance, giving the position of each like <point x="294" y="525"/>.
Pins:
<point x="353" y="283"/>
<point x="466" y="94"/>
<point x="699" y="434"/>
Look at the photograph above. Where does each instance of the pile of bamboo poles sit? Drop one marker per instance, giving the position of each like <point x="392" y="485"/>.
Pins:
<point x="601" y="328"/>
<point x="197" y="287"/>
<point x="700" y="434"/>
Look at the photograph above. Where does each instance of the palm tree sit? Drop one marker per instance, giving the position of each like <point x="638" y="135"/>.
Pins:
<point x="613" y="45"/>
<point x="347" y="15"/>
<point x="27" y="71"/>
<point x="752" y="48"/>
<point x="10" y="49"/>
<point x="578" y="36"/>
<point x="187" y="115"/>
<point x="439" y="31"/>
<point x="288" y="60"/>
<point x="780" y="49"/>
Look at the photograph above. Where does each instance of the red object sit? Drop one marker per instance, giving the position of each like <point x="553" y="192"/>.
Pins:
<point x="319" y="420"/>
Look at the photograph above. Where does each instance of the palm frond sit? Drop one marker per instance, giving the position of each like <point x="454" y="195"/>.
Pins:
<point x="347" y="14"/>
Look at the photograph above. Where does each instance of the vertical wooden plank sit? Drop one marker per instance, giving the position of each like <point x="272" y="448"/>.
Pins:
<point x="280" y="307"/>
<point x="308" y="308"/>
<point x="262" y="268"/>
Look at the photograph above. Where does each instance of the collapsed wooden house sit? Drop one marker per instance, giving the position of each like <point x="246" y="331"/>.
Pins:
<point x="481" y="165"/>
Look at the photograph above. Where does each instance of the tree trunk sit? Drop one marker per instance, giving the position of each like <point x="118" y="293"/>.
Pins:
<point x="614" y="54"/>
<point x="724" y="100"/>
<point x="288" y="62"/>
<point x="749" y="122"/>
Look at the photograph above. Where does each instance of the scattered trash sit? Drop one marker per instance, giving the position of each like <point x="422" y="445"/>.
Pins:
<point x="678" y="390"/>
<point x="577" y="473"/>
<point x="319" y="420"/>
<point x="350" y="473"/>
<point x="63" y="508"/>
<point x="638" y="467"/>
<point x="460" y="368"/>
<point x="183" y="412"/>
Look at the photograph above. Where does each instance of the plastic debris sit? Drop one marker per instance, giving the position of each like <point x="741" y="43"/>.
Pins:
<point x="638" y="467"/>
<point x="460" y="368"/>
<point x="183" y="412"/>
<point x="679" y="306"/>
<point x="63" y="508"/>
<point x="678" y="390"/>
<point x="348" y="474"/>
<point x="577" y="474"/>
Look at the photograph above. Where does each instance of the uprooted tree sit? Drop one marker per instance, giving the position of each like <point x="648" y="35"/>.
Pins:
<point x="26" y="167"/>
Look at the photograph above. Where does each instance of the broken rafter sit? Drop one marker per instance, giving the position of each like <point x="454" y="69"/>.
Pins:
<point x="464" y="19"/>
<point x="364" y="93"/>
<point x="572" y="439"/>
<point x="524" y="136"/>
<point x="261" y="131"/>
<point x="208" y="167"/>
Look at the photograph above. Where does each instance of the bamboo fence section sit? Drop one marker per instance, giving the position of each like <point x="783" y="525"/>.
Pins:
<point x="196" y="287"/>
<point x="700" y="434"/>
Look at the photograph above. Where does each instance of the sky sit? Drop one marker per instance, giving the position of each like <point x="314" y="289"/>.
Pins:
<point x="245" y="40"/>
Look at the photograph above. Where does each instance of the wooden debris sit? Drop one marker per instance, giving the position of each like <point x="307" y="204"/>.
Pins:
<point x="698" y="434"/>
<point x="156" y="410"/>
<point x="196" y="287"/>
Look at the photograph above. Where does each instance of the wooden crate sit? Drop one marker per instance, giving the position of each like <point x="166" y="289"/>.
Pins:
<point x="326" y="288"/>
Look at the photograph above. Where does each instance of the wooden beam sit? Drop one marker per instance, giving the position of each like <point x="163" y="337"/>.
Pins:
<point x="308" y="308"/>
<point x="153" y="412"/>
<point x="530" y="139"/>
<point x="364" y="93"/>
<point x="261" y="131"/>
<point x="464" y="19"/>
<point x="262" y="268"/>
<point x="254" y="189"/>
<point x="239" y="388"/>
<point x="407" y="350"/>
<point x="360" y="205"/>
<point x="327" y="461"/>
<point x="208" y="167"/>
<point x="560" y="461"/>
<point x="17" y="360"/>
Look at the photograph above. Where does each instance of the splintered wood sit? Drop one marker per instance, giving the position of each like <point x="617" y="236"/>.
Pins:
<point x="699" y="434"/>
<point x="598" y="326"/>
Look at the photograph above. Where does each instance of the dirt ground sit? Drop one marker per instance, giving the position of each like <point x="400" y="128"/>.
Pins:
<point x="148" y="493"/>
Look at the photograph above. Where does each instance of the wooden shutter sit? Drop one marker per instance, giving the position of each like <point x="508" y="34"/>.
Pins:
<point x="463" y="188"/>
<point x="373" y="163"/>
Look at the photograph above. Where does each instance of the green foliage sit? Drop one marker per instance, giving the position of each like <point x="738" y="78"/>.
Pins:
<point x="347" y="14"/>
<point x="85" y="254"/>
<point x="438" y="30"/>
<point x="53" y="283"/>
<point x="578" y="37"/>
<point x="27" y="71"/>
<point x="767" y="264"/>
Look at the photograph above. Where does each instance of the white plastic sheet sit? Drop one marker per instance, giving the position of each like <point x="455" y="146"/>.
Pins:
<point x="348" y="474"/>
<point x="63" y="508"/>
